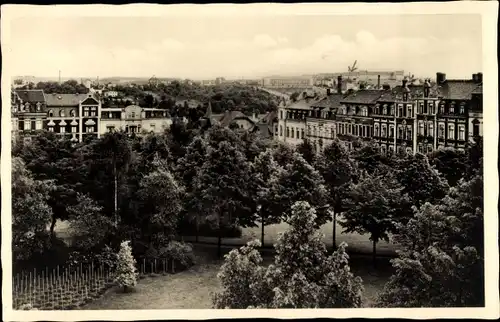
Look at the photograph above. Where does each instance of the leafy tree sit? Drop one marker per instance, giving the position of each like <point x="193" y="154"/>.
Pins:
<point x="369" y="158"/>
<point x="222" y="190"/>
<point x="374" y="206"/>
<point x="88" y="223"/>
<point x="253" y="144"/>
<point x="474" y="158"/>
<point x="421" y="181"/>
<point x="162" y="199"/>
<point x="30" y="212"/>
<point x="299" y="181"/>
<point x="266" y="173"/>
<point x="306" y="149"/>
<point x="451" y="163"/>
<point x="441" y="261"/>
<point x="109" y="157"/>
<point x="302" y="275"/>
<point x="283" y="153"/>
<point x="126" y="272"/>
<point x="337" y="169"/>
<point x="294" y="96"/>
<point x="51" y="158"/>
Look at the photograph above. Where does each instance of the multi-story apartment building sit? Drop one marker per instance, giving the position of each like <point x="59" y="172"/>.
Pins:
<point x="134" y="119"/>
<point x="405" y="119"/>
<point x="28" y="112"/>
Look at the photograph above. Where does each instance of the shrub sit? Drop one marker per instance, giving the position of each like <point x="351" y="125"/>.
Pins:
<point x="126" y="273"/>
<point x="302" y="276"/>
<point x="178" y="251"/>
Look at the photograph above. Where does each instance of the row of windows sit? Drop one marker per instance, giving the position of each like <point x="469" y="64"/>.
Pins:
<point x="86" y="112"/>
<point x="74" y="129"/>
<point x="292" y="132"/>
<point x="404" y="131"/>
<point x="354" y="129"/>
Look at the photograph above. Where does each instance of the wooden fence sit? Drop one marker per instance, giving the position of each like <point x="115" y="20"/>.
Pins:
<point x="73" y="286"/>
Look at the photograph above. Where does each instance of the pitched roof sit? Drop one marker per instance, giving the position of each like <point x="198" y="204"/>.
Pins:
<point x="301" y="105"/>
<point x="228" y="117"/>
<point x="458" y="89"/>
<point x="365" y="96"/>
<point x="65" y="99"/>
<point x="264" y="130"/>
<point x="478" y="90"/>
<point x="269" y="117"/>
<point x="33" y="95"/>
<point x="415" y="91"/>
<point x="332" y="101"/>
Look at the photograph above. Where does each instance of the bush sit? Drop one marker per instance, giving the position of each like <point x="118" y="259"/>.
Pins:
<point x="178" y="251"/>
<point x="126" y="273"/>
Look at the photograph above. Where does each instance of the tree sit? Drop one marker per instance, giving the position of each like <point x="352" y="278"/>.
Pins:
<point x="369" y="158"/>
<point x="88" y="223"/>
<point x="302" y="275"/>
<point x="306" y="149"/>
<point x="294" y="96"/>
<point x="337" y="169"/>
<point x="299" y="181"/>
<point x="374" y="206"/>
<point x="420" y="181"/>
<point x="452" y="163"/>
<point x="162" y="200"/>
<point x="283" y="153"/>
<point x="30" y="212"/>
<point x="111" y="154"/>
<point x="126" y="272"/>
<point x="222" y="190"/>
<point x="441" y="261"/>
<point x="266" y="173"/>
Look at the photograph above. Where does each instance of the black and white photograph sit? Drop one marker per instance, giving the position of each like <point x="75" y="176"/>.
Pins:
<point x="268" y="157"/>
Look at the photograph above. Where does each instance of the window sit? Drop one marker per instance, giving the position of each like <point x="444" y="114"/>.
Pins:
<point x="409" y="133"/>
<point x="376" y="130"/>
<point x="61" y="113"/>
<point x="38" y="125"/>
<point x="475" y="128"/>
<point x="332" y="134"/>
<point x="94" y="111"/>
<point x="462" y="108"/>
<point x="400" y="132"/>
<point x="287" y="132"/>
<point x="85" y="111"/>
<point x="384" y="110"/>
<point x="384" y="131"/>
<point x="409" y="110"/>
<point x="421" y="127"/>
<point x="51" y="129"/>
<point x="27" y="125"/>
<point x="430" y="129"/>
<point x="392" y="110"/>
<point x="281" y="114"/>
<point x="429" y="148"/>
<point x="281" y="130"/>
<point x="309" y="132"/>
<point x="62" y="129"/>
<point x="461" y="132"/>
<point x="72" y="113"/>
<point x="90" y="129"/>
<point x="452" y="108"/>
<point x="420" y="149"/>
<point x="451" y="131"/>
<point x="431" y="107"/>
<point x="420" y="108"/>
<point x="400" y="110"/>
<point x="293" y="132"/>
<point x="73" y="129"/>
<point x="441" y="108"/>
<point x="302" y="133"/>
<point x="391" y="131"/>
<point x="51" y="113"/>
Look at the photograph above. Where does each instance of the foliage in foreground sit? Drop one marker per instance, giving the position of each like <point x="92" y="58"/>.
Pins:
<point x="442" y="262"/>
<point x="302" y="276"/>
<point x="126" y="273"/>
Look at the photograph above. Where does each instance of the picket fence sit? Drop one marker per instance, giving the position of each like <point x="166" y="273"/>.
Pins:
<point x="71" y="287"/>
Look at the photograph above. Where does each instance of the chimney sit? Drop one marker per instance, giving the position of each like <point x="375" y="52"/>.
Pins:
<point x="479" y="77"/>
<point x="440" y="78"/>
<point x="378" y="82"/>
<point x="339" y="84"/>
<point x="474" y="78"/>
<point x="328" y="91"/>
<point x="405" y="82"/>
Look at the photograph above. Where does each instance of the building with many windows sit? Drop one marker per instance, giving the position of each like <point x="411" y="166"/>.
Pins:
<point x="288" y="82"/>
<point x="408" y="118"/>
<point x="134" y="119"/>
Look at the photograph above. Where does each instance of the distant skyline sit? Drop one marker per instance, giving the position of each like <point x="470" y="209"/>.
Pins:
<point x="206" y="47"/>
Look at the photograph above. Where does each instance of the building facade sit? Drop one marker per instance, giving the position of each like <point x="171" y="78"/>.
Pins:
<point x="288" y="82"/>
<point x="134" y="119"/>
<point x="405" y="119"/>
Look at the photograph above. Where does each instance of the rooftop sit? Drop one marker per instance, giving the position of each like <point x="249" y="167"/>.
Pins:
<point x="367" y="96"/>
<point x="458" y="89"/>
<point x="65" y="99"/>
<point x="32" y="96"/>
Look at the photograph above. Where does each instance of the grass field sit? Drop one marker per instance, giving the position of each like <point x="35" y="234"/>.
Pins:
<point x="192" y="289"/>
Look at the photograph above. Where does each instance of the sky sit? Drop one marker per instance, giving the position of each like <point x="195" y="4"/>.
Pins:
<point x="205" y="47"/>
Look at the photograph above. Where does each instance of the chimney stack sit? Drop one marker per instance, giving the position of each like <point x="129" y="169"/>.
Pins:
<point x="405" y="82"/>
<point x="378" y="82"/>
<point x="479" y="77"/>
<point x="474" y="78"/>
<point x="339" y="84"/>
<point x="440" y="78"/>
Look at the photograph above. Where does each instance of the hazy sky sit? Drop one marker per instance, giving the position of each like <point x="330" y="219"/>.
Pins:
<point x="242" y="46"/>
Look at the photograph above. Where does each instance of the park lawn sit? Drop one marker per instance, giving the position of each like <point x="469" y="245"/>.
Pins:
<point x="192" y="289"/>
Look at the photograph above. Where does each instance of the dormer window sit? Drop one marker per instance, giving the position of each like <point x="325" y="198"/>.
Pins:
<point x="452" y="108"/>
<point x="51" y="113"/>
<point x="72" y="113"/>
<point x="86" y="111"/>
<point x="61" y="113"/>
<point x="462" y="108"/>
